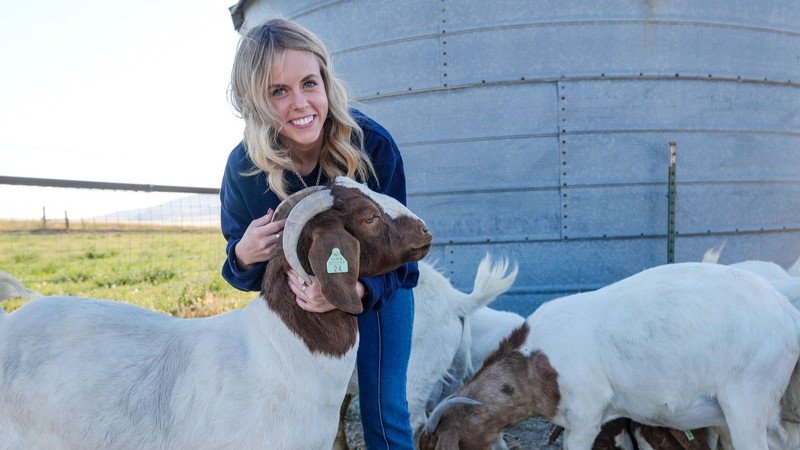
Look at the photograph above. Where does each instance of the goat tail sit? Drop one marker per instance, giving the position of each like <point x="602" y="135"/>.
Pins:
<point x="11" y="288"/>
<point x="711" y="255"/>
<point x="491" y="280"/>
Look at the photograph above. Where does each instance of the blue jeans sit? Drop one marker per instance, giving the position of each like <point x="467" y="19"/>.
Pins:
<point x="383" y="353"/>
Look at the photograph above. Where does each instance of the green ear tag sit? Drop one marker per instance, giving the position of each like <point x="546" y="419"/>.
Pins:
<point x="689" y="435"/>
<point x="337" y="263"/>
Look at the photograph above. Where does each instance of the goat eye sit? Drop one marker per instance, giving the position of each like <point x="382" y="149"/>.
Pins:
<point x="371" y="219"/>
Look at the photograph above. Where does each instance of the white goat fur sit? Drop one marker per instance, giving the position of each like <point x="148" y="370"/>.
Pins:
<point x="683" y="345"/>
<point x="164" y="379"/>
<point x="488" y="327"/>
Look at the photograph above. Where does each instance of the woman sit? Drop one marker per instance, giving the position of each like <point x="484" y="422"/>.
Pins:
<point x="299" y="132"/>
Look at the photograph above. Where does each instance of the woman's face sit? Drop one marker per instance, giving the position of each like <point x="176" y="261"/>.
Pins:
<point x="297" y="93"/>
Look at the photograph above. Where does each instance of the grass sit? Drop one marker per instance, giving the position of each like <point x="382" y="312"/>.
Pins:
<point x="160" y="268"/>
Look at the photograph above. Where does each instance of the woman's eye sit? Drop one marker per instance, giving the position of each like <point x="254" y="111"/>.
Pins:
<point x="278" y="92"/>
<point x="309" y="84"/>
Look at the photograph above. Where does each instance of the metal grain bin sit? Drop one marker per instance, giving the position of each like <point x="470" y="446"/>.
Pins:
<point x="539" y="130"/>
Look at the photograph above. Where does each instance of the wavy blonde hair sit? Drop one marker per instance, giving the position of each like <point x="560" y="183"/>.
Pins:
<point x="343" y="141"/>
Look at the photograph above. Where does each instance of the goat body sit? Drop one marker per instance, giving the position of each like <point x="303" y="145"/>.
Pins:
<point x="83" y="373"/>
<point x="683" y="346"/>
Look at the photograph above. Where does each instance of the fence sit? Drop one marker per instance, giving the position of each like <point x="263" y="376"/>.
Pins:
<point x="158" y="246"/>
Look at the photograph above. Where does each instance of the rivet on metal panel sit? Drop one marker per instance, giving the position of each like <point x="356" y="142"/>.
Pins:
<point x="445" y="85"/>
<point x="377" y="93"/>
<point x="409" y="89"/>
<point x="709" y="75"/>
<point x="677" y="75"/>
<point x="444" y="21"/>
<point x="564" y="131"/>
<point x="444" y="31"/>
<point x="565" y="174"/>
<point x="563" y="97"/>
<point x="564" y="184"/>
<point x="565" y="227"/>
<point x="564" y="163"/>
<point x="565" y="194"/>
<point x="565" y="216"/>
<point x="565" y="205"/>
<point x="483" y="81"/>
<point x="445" y="74"/>
<point x="602" y="74"/>
<point x="523" y="78"/>
<point x="444" y="53"/>
<point x="444" y="42"/>
<point x="488" y="240"/>
<point x="641" y="74"/>
<point x="604" y="235"/>
<point x="564" y="142"/>
<point x="445" y="63"/>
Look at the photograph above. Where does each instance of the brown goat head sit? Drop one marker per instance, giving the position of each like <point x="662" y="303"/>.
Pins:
<point x="350" y="231"/>
<point x="510" y="387"/>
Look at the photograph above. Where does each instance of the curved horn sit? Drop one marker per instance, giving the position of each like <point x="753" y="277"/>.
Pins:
<point x="305" y="210"/>
<point x="436" y="415"/>
<point x="286" y="206"/>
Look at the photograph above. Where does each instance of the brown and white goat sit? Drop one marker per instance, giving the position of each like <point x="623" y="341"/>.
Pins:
<point x="83" y="373"/>
<point x="682" y="346"/>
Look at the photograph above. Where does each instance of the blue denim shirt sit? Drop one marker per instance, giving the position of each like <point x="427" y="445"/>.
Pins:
<point x="245" y="198"/>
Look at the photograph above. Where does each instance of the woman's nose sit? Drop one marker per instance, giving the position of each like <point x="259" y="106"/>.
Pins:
<point x="299" y="102"/>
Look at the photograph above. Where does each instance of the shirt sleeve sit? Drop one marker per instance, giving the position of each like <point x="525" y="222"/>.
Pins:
<point x="392" y="182"/>
<point x="234" y="220"/>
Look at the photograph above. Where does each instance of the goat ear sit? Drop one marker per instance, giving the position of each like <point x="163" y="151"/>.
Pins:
<point x="334" y="257"/>
<point x="447" y="441"/>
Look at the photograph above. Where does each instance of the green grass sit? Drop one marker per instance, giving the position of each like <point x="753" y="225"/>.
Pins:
<point x="172" y="271"/>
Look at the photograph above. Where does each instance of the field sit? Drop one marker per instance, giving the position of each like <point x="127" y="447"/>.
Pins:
<point x="175" y="271"/>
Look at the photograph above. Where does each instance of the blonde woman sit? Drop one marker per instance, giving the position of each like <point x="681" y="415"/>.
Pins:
<point x="299" y="132"/>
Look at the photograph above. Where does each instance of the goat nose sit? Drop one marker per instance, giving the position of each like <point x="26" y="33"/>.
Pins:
<point x="424" y="228"/>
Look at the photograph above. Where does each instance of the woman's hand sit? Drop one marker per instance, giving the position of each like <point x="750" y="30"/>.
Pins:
<point x="258" y="241"/>
<point x="309" y="297"/>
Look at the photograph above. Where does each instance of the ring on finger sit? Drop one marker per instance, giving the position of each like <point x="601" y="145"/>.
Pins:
<point x="277" y="236"/>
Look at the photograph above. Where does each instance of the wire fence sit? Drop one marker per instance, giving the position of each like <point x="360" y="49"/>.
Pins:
<point x="159" y="246"/>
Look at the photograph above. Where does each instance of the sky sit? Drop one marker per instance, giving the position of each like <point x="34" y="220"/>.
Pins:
<point x="129" y="92"/>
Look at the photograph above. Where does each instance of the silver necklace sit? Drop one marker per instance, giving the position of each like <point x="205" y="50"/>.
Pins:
<point x="297" y="173"/>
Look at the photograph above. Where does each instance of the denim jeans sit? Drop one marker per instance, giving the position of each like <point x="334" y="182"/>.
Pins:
<point x="383" y="352"/>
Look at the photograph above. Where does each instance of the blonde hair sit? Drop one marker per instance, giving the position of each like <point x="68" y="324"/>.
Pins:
<point x="343" y="140"/>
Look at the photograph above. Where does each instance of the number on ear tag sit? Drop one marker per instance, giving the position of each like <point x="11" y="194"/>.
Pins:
<point x="689" y="435"/>
<point x="336" y="262"/>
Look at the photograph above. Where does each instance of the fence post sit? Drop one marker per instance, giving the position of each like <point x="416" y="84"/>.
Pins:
<point x="44" y="218"/>
<point x="672" y="198"/>
<point x="66" y="221"/>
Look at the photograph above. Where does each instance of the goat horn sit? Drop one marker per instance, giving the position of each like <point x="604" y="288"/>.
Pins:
<point x="305" y="209"/>
<point x="436" y="415"/>
<point x="286" y="206"/>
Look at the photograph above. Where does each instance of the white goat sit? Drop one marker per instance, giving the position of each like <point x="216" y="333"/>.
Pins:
<point x="440" y="346"/>
<point x="683" y="346"/>
<point x="81" y="373"/>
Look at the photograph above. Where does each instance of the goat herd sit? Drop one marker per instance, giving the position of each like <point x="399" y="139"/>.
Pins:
<point x="685" y="346"/>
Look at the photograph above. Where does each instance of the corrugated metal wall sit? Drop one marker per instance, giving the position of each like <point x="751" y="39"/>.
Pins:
<point x="539" y="129"/>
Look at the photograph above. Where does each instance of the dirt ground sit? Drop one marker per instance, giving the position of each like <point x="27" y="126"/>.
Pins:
<point x="527" y="435"/>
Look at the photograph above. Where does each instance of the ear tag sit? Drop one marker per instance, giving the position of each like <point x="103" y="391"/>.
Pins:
<point x="689" y="435"/>
<point x="336" y="262"/>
